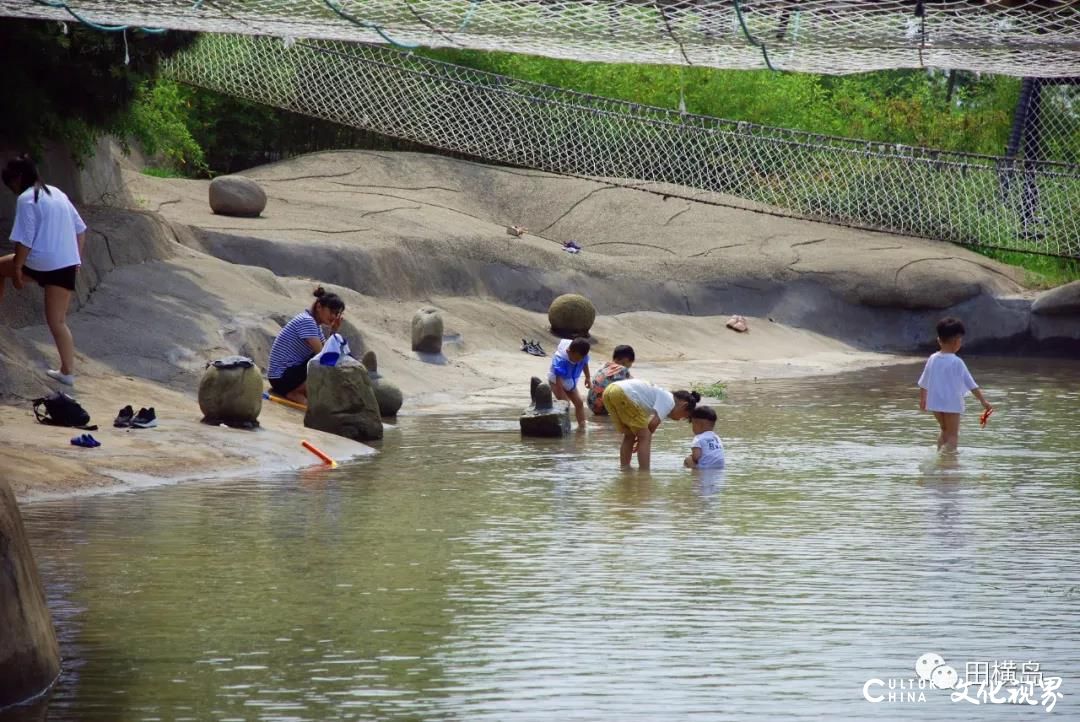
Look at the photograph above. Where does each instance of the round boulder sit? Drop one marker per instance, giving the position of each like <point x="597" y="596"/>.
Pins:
<point x="230" y="392"/>
<point x="341" y="401"/>
<point x="29" y="653"/>
<point x="571" y="315"/>
<point x="427" y="331"/>
<point x="1060" y="301"/>
<point x="235" y="195"/>
<point x="388" y="396"/>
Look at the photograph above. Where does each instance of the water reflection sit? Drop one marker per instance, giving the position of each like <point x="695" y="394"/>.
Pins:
<point x="466" y="574"/>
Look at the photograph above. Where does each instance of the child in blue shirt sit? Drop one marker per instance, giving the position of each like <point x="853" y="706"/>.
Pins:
<point x="569" y="362"/>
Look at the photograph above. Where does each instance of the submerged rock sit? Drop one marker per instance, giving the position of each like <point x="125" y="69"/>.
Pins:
<point x="427" y="331"/>
<point x="235" y="195"/>
<point x="230" y="392"/>
<point x="342" y="401"/>
<point x="29" y="653"/>
<point x="544" y="417"/>
<point x="1060" y="301"/>
<point x="571" y="315"/>
<point x="387" y="395"/>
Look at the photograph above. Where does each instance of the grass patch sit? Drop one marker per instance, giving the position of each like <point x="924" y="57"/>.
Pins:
<point x="162" y="172"/>
<point x="714" y="390"/>
<point x="1042" y="271"/>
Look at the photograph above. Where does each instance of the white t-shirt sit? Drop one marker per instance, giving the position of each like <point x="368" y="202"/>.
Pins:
<point x="649" y="397"/>
<point x="712" y="450"/>
<point x="48" y="228"/>
<point x="947" y="381"/>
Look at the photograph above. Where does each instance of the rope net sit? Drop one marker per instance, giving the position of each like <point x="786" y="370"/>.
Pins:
<point x="1012" y="37"/>
<point x="1009" y="203"/>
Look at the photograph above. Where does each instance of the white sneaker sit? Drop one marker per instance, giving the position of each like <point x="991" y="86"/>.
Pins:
<point x="66" y="379"/>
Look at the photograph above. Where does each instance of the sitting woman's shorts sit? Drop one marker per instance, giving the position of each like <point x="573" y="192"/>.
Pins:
<point x="62" y="277"/>
<point x="293" y="378"/>
<point x="627" y="416"/>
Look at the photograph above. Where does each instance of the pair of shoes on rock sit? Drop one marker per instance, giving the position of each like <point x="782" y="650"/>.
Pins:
<point x="86" y="441"/>
<point x="145" y="419"/>
<point x="532" y="347"/>
<point x="738" y="323"/>
<point x="65" y="379"/>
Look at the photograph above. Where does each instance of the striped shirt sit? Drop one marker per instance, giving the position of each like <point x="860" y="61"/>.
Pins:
<point x="291" y="347"/>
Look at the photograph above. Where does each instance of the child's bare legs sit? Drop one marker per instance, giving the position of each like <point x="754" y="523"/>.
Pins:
<point x="644" y="448"/>
<point x="626" y="451"/>
<point x="949" y="438"/>
<point x="57" y="300"/>
<point x="574" y="398"/>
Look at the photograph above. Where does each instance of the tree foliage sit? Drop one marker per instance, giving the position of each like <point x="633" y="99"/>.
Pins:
<point x="64" y="81"/>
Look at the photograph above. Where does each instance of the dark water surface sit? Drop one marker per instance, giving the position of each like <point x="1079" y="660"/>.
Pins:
<point x="464" y="574"/>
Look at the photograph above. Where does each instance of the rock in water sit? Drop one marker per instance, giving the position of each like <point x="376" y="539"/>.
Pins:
<point x="571" y="315"/>
<point x="235" y="195"/>
<point x="544" y="417"/>
<point x="388" y="396"/>
<point x="341" y="401"/>
<point x="29" y="653"/>
<point x="1060" y="301"/>
<point x="427" y="331"/>
<point x="231" y="393"/>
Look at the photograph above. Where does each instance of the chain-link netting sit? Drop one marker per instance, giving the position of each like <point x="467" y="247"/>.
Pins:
<point x="1012" y="37"/>
<point x="972" y="199"/>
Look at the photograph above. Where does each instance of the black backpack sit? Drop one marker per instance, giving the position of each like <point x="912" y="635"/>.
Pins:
<point x="62" y="410"/>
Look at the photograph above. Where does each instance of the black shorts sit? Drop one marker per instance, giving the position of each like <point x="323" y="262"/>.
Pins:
<point x="62" y="277"/>
<point x="293" y="377"/>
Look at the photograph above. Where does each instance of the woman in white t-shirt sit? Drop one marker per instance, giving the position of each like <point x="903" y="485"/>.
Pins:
<point x="48" y="234"/>
<point x="636" y="408"/>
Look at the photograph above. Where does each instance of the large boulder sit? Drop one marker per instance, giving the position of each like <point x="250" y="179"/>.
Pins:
<point x="230" y="392"/>
<point x="387" y="395"/>
<point x="1060" y="301"/>
<point x="235" y="195"/>
<point x="545" y="417"/>
<point x="427" y="331"/>
<point x="571" y="315"/>
<point x="341" y="401"/>
<point x="29" y="653"/>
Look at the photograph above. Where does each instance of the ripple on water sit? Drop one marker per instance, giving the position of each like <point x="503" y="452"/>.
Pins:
<point x="467" y="574"/>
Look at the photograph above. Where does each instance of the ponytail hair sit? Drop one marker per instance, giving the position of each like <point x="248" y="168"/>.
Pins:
<point x="23" y="169"/>
<point x="690" y="397"/>
<point x="327" y="300"/>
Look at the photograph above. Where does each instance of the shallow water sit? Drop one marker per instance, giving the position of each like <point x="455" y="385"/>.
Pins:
<point x="464" y="574"/>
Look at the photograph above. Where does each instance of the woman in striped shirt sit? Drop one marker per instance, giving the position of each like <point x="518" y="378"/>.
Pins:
<point x="299" y="340"/>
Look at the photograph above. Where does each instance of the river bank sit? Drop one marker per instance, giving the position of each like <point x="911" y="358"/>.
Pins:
<point x="167" y="286"/>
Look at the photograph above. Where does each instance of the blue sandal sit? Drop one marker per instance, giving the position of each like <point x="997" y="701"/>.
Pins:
<point x="86" y="441"/>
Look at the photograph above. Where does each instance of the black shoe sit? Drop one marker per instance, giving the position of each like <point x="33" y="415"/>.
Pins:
<point x="123" y="419"/>
<point x="145" y="419"/>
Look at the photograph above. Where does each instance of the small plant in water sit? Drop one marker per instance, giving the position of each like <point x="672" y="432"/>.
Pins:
<point x="714" y="390"/>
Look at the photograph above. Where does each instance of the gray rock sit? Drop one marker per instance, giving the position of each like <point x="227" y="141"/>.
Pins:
<point x="427" y="331"/>
<point x="29" y="653"/>
<point x="388" y="396"/>
<point x="235" y="195"/>
<point x="231" y="395"/>
<point x="1060" y="301"/>
<point x="544" y="417"/>
<point x="571" y="315"/>
<point x="341" y="401"/>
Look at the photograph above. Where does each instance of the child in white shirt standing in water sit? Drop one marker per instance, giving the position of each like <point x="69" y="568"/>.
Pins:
<point x="944" y="383"/>
<point x="706" y="450"/>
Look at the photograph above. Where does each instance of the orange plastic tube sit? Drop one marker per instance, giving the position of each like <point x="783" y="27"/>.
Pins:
<point x="284" y="402"/>
<point x="319" y="453"/>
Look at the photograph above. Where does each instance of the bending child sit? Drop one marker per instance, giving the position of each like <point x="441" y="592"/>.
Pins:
<point x="570" y="359"/>
<point x="944" y="383"/>
<point x="615" y="370"/>
<point x="706" y="450"/>
<point x="637" y="409"/>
